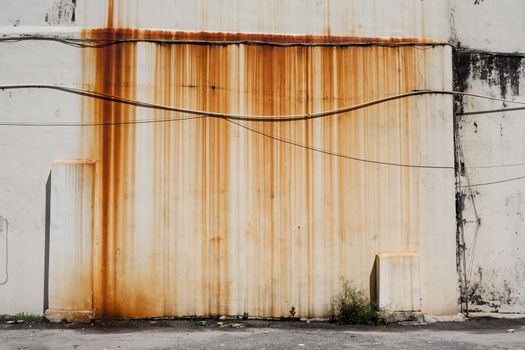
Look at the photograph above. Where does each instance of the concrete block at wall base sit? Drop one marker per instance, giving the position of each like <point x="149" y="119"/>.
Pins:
<point x="70" y="282"/>
<point x="56" y="316"/>
<point x="403" y="317"/>
<point x="398" y="282"/>
<point x="416" y="318"/>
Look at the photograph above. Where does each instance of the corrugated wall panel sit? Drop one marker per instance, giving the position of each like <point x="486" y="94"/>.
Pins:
<point x="71" y="237"/>
<point x="205" y="217"/>
<point x="364" y="18"/>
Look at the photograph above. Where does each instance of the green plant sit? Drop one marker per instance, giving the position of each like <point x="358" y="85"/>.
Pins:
<point x="292" y="311"/>
<point x="245" y="315"/>
<point x="27" y="318"/>
<point x="352" y="305"/>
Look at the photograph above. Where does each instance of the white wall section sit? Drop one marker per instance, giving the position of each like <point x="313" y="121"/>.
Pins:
<point x="267" y="223"/>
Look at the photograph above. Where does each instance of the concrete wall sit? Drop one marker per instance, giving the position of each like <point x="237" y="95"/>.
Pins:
<point x="488" y="24"/>
<point x="365" y="18"/>
<point x="493" y="147"/>
<point x="191" y="217"/>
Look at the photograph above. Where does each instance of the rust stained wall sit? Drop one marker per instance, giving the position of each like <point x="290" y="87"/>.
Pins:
<point x="203" y="217"/>
<point x="261" y="38"/>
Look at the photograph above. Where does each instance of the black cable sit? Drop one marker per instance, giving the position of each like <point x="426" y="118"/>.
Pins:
<point x="94" y="124"/>
<point x="320" y="150"/>
<point x="496" y="182"/>
<point x="263" y="118"/>
<point x="104" y="42"/>
<point x="487" y="111"/>
<point x="231" y="117"/>
<point x="496" y="166"/>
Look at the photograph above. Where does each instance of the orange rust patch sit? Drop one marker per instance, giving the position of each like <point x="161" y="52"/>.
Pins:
<point x="111" y="71"/>
<point x="112" y="33"/>
<point x="202" y="217"/>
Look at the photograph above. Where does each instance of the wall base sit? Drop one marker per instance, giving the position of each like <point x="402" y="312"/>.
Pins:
<point x="56" y="315"/>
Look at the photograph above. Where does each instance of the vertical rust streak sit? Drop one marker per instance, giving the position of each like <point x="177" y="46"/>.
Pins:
<point x="308" y="166"/>
<point x="327" y="102"/>
<point x="110" y="14"/>
<point x="293" y="229"/>
<point x="113" y="72"/>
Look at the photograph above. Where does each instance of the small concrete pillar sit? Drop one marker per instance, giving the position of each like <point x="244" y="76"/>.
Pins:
<point x="71" y="241"/>
<point x="398" y="286"/>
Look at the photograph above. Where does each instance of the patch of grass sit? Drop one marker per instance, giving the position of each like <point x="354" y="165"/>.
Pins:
<point x="353" y="306"/>
<point x="245" y="315"/>
<point x="27" y="318"/>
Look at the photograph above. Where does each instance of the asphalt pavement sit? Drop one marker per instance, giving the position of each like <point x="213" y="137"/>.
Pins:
<point x="480" y="333"/>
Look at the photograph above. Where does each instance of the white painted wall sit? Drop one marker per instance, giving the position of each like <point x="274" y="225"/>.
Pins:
<point x="26" y="154"/>
<point x="25" y="157"/>
<point x="495" y="253"/>
<point x="384" y="18"/>
<point x="493" y="25"/>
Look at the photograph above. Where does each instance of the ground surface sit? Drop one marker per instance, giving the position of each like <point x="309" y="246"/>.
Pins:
<point x="481" y="333"/>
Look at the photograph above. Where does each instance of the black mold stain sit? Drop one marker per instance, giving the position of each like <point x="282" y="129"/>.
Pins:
<point x="461" y="76"/>
<point x="479" y="294"/>
<point x="62" y="12"/>
<point x="503" y="70"/>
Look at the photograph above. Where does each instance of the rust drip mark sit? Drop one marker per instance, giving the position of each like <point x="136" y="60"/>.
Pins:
<point x="219" y="72"/>
<point x="111" y="32"/>
<point x="110" y="19"/>
<point x="308" y="219"/>
<point x="113" y="72"/>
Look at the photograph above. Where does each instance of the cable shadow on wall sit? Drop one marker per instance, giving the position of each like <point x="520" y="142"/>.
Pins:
<point x="46" y="244"/>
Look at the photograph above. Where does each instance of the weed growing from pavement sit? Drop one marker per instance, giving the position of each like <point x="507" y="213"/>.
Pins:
<point x="25" y="317"/>
<point x="353" y="306"/>
<point x="292" y="311"/>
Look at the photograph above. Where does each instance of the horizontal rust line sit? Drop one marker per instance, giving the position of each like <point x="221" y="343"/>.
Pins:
<point x="147" y="34"/>
<point x="100" y="43"/>
<point x="101" y="36"/>
<point x="74" y="161"/>
<point x="257" y="38"/>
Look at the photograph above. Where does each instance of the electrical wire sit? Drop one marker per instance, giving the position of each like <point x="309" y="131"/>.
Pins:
<point x="335" y="154"/>
<point x="229" y="117"/>
<point x="496" y="166"/>
<point x="240" y="117"/>
<point x="488" y="111"/>
<point x="105" y="42"/>
<point x="497" y="182"/>
<point x="260" y="118"/>
<point x="474" y="207"/>
<point x="108" y="123"/>
<point x="233" y="117"/>
<point x="4" y="282"/>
